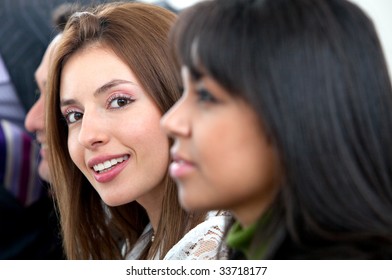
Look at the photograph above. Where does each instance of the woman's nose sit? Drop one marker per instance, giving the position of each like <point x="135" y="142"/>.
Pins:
<point x="35" y="119"/>
<point x="93" y="131"/>
<point x="175" y="122"/>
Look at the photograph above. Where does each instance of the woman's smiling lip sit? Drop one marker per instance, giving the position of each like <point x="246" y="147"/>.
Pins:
<point x="180" y="167"/>
<point x="106" y="168"/>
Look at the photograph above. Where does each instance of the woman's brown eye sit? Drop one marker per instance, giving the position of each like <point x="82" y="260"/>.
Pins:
<point x="119" y="102"/>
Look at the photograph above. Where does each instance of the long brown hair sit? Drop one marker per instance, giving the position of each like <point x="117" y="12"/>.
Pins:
<point x="137" y="33"/>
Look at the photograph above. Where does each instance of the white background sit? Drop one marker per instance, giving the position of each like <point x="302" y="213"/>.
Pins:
<point x="380" y="11"/>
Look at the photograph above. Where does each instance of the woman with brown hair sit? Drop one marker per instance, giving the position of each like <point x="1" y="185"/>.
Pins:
<point x="111" y="81"/>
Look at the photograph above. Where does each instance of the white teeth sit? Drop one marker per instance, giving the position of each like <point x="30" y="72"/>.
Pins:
<point x="104" y="166"/>
<point x="101" y="166"/>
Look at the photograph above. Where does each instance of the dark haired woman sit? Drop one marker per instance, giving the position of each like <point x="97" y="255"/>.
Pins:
<point x="286" y="120"/>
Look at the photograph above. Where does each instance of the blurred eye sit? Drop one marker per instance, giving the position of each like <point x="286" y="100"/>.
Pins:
<point x="205" y="96"/>
<point x="119" y="102"/>
<point x="73" y="117"/>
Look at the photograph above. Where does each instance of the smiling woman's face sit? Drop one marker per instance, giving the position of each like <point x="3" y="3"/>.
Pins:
<point x="114" y="136"/>
<point x="222" y="158"/>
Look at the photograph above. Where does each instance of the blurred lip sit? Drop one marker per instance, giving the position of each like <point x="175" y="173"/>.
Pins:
<point x="43" y="149"/>
<point x="180" y="167"/>
<point x="41" y="140"/>
<point x="40" y="136"/>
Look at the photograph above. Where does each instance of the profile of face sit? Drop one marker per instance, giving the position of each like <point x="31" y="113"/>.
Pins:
<point x="222" y="158"/>
<point x="114" y="134"/>
<point x="35" y="119"/>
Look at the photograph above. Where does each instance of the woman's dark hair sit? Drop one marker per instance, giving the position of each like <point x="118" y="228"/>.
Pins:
<point x="314" y="72"/>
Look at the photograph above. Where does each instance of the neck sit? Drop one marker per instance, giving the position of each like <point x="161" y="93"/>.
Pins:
<point x="245" y="218"/>
<point x="152" y="203"/>
<point x="250" y="213"/>
<point x="154" y="215"/>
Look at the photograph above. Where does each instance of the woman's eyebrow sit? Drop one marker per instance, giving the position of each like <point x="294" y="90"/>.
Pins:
<point x="102" y="89"/>
<point x="67" y="102"/>
<point x="111" y="84"/>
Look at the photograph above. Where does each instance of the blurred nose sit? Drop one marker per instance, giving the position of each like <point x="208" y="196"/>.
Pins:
<point x="176" y="121"/>
<point x="35" y="119"/>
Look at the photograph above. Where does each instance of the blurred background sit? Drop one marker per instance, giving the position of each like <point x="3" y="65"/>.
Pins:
<point x="379" y="10"/>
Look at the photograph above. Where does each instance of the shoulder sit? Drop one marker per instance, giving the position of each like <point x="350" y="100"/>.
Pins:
<point x="203" y="242"/>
